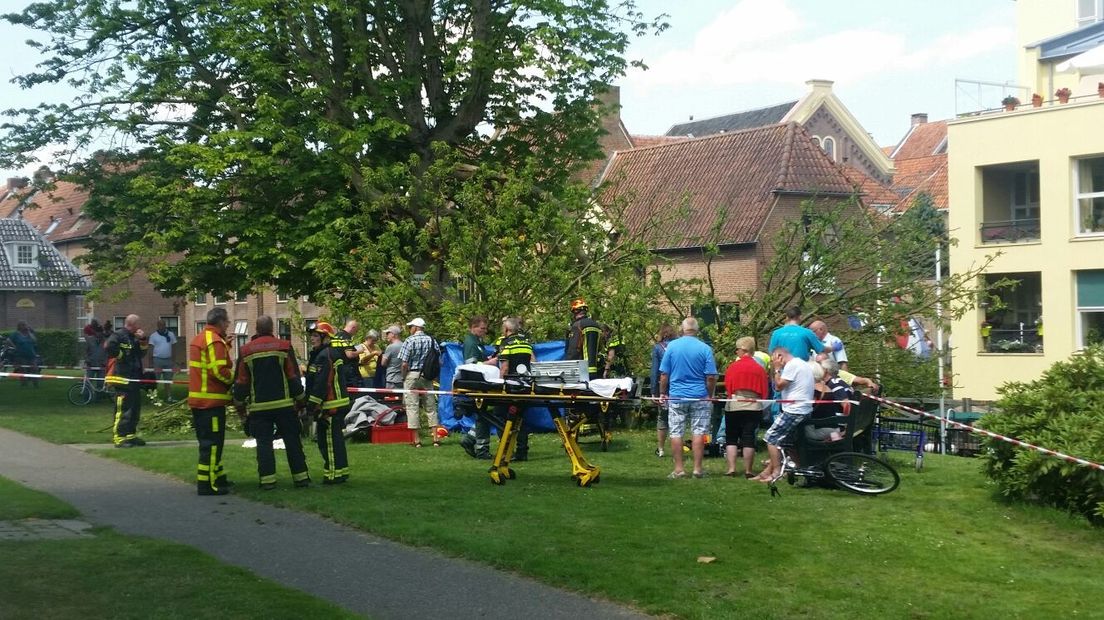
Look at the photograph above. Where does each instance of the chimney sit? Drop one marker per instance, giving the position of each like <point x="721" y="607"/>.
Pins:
<point x="820" y="85"/>
<point x="15" y="183"/>
<point x="919" y="118"/>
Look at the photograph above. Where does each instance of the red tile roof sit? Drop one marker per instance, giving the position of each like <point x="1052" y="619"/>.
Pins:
<point x="640" y="142"/>
<point x="63" y="204"/>
<point x="921" y="174"/>
<point x="922" y="140"/>
<point x="871" y="191"/>
<point x="736" y="174"/>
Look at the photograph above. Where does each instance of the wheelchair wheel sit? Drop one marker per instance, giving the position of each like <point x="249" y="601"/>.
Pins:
<point x="861" y="473"/>
<point x="81" y="394"/>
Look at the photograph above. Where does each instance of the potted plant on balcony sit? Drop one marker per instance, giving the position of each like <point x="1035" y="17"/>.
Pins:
<point x="1063" y="95"/>
<point x="1010" y="103"/>
<point x="1036" y="100"/>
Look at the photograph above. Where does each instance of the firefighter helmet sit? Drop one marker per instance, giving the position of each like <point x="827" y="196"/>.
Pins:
<point x="578" y="304"/>
<point x="324" y="328"/>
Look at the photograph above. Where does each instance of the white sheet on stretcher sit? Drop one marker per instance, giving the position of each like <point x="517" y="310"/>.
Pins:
<point x="490" y="372"/>
<point x="606" y="388"/>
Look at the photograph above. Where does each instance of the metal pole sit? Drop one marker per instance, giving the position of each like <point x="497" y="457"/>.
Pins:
<point x="939" y="346"/>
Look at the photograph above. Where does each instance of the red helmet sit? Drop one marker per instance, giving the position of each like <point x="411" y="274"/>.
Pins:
<point x="325" y="328"/>
<point x="578" y="304"/>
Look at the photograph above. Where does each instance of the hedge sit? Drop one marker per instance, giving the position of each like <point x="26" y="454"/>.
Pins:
<point x="1064" y="411"/>
<point x="57" y="347"/>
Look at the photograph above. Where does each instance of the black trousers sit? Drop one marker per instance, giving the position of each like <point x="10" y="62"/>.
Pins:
<point x="128" y="408"/>
<point x="331" y="443"/>
<point x="262" y="426"/>
<point x="210" y="430"/>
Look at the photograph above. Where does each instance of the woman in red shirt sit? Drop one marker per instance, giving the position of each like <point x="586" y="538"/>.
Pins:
<point x="745" y="380"/>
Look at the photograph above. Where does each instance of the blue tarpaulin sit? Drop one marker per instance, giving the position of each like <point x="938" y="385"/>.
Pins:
<point x="536" y="418"/>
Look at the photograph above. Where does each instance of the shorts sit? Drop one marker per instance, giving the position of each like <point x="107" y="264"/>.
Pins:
<point x="782" y="427"/>
<point x="661" y="417"/>
<point x="698" y="412"/>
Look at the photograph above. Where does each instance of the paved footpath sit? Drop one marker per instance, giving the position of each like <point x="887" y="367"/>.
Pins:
<point x="362" y="573"/>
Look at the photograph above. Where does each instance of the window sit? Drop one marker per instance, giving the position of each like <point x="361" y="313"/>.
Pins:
<point x="282" y="297"/>
<point x="1088" y="12"/>
<point x="241" y="297"/>
<point x="201" y="299"/>
<point x="241" y="328"/>
<point x="1010" y="203"/>
<point x="308" y="324"/>
<point x="719" y="315"/>
<point x="200" y="326"/>
<point x="1090" y="307"/>
<point x="283" y="329"/>
<point x="218" y="300"/>
<point x="172" y="323"/>
<point x="1014" y="315"/>
<point x="828" y="143"/>
<point x="117" y="322"/>
<point x="1089" y="205"/>
<point x="25" y="255"/>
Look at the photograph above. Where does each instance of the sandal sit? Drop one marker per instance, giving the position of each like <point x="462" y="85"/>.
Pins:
<point x="436" y="444"/>
<point x="417" y="444"/>
<point x="676" y="475"/>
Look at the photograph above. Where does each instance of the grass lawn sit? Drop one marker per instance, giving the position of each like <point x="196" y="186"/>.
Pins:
<point x="940" y="546"/>
<point x="46" y="412"/>
<point x="114" y="576"/>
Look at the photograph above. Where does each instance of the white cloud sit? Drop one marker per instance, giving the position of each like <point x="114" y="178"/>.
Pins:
<point x="761" y="41"/>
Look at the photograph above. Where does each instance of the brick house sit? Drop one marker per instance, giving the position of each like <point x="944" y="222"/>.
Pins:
<point x="37" y="284"/>
<point x="57" y="214"/>
<point x="753" y="179"/>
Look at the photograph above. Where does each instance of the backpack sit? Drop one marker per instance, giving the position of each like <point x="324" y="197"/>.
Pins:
<point x="431" y="367"/>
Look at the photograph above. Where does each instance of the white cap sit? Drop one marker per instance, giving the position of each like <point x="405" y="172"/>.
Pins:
<point x="418" y="322"/>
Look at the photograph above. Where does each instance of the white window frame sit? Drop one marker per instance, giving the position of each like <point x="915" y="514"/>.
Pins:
<point x="1078" y="197"/>
<point x="118" y="322"/>
<point x="1085" y="19"/>
<point x="244" y="295"/>
<point x="1028" y="207"/>
<point x="1079" y="321"/>
<point x="824" y="147"/>
<point x="198" y="297"/>
<point x="241" y="327"/>
<point x="200" y="326"/>
<point x="281" y="298"/>
<point x="17" y="260"/>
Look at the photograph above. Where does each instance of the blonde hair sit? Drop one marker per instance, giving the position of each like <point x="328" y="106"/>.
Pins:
<point x="747" y="343"/>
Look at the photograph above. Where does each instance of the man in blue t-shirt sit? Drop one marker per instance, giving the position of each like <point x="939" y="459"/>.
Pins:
<point x="797" y="339"/>
<point x="687" y="376"/>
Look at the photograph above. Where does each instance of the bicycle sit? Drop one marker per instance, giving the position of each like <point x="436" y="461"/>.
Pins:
<point x="87" y="390"/>
<point x="851" y="471"/>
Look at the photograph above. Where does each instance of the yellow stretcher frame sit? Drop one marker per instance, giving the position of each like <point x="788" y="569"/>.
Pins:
<point x="583" y="472"/>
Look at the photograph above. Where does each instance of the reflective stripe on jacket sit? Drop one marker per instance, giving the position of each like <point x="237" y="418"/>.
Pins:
<point x="124" y="357"/>
<point x="209" y="370"/>
<point x="267" y="375"/>
<point x="326" y="379"/>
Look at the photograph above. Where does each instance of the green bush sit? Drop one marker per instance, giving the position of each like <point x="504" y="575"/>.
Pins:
<point x="900" y="372"/>
<point x="57" y="347"/>
<point x="1063" y="411"/>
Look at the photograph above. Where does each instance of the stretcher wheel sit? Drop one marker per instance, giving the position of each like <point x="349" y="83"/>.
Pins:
<point x="597" y="479"/>
<point x="511" y="474"/>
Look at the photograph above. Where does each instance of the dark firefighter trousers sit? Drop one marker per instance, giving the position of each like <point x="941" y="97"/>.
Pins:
<point x="128" y="408"/>
<point x="210" y="430"/>
<point x="264" y="426"/>
<point x="331" y="443"/>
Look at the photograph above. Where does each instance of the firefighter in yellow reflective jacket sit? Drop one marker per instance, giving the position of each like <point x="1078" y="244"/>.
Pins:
<point x="268" y="383"/>
<point x="210" y="375"/>
<point x="125" y="351"/>
<point x="328" y="401"/>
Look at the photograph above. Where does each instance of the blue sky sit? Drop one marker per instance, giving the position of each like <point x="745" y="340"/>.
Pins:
<point x="889" y="58"/>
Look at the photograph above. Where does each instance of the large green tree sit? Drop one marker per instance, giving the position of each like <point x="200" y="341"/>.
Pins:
<point x="389" y="154"/>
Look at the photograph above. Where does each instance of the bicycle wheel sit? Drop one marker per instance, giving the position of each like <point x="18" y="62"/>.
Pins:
<point x="861" y="473"/>
<point x="81" y="393"/>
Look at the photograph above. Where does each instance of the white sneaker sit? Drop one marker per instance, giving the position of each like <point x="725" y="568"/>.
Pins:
<point x="659" y="452"/>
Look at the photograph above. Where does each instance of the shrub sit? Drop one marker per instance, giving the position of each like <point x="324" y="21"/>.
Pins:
<point x="56" y="347"/>
<point x="1064" y="411"/>
<point x="900" y="371"/>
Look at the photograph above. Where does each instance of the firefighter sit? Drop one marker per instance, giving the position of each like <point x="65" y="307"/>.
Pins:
<point x="125" y="351"/>
<point x="516" y="357"/>
<point x="328" y="403"/>
<point x="268" y="385"/>
<point x="210" y="375"/>
<point x="344" y="339"/>
<point x="583" y="337"/>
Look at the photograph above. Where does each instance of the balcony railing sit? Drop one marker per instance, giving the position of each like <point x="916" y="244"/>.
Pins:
<point x="1019" y="339"/>
<point x="1010" y="231"/>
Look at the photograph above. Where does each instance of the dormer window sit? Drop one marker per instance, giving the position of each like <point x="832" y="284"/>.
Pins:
<point x="23" y="255"/>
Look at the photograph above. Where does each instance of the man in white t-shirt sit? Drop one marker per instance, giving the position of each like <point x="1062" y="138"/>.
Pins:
<point x="794" y="377"/>
<point x="833" y="346"/>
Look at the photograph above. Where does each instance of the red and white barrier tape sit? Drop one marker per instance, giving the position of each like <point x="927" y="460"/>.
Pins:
<point x="45" y="367"/>
<point x="980" y="431"/>
<point x="27" y="375"/>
